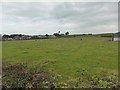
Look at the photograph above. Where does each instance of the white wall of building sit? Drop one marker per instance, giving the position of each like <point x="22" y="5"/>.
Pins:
<point x="116" y="39"/>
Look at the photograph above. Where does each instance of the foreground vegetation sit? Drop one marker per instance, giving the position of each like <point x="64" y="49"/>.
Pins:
<point x="19" y="76"/>
<point x="82" y="61"/>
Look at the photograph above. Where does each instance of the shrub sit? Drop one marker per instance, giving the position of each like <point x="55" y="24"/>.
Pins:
<point x="18" y="76"/>
<point x="98" y="80"/>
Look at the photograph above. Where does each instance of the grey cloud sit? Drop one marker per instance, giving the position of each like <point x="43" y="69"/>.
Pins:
<point x="76" y="17"/>
<point x="90" y="14"/>
<point x="26" y="11"/>
<point x="84" y="11"/>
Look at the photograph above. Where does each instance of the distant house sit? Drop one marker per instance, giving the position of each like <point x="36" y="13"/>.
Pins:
<point x="116" y="36"/>
<point x="10" y="39"/>
<point x="52" y="36"/>
<point x="24" y="37"/>
<point x="0" y="37"/>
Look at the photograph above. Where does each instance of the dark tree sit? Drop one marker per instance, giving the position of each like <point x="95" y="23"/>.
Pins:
<point x="6" y="36"/>
<point x="46" y="35"/>
<point x="67" y="33"/>
<point x="62" y="34"/>
<point x="20" y="35"/>
<point x="56" y="34"/>
<point x="15" y="35"/>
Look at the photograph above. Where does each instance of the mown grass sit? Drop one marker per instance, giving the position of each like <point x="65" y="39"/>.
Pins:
<point x="67" y="57"/>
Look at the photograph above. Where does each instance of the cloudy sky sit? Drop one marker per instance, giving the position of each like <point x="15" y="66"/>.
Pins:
<point x="51" y="17"/>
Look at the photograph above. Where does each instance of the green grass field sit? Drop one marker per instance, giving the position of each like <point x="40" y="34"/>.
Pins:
<point x="65" y="56"/>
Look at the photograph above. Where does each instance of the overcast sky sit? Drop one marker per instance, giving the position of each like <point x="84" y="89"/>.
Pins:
<point x="51" y="17"/>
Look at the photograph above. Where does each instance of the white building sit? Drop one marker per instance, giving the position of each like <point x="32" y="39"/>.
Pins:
<point x="0" y="37"/>
<point x="116" y="36"/>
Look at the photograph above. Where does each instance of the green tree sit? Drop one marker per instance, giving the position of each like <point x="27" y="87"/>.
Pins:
<point x="67" y="33"/>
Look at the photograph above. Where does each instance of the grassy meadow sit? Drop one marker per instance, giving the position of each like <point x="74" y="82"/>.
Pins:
<point x="65" y="56"/>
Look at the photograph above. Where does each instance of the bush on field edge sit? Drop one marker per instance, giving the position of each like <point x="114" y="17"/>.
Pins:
<point x="19" y="76"/>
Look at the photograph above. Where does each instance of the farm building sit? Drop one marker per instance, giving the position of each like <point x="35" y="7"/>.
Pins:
<point x="116" y="36"/>
<point x="0" y="37"/>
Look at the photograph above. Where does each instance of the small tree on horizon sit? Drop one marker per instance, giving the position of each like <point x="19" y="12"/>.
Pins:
<point x="67" y="33"/>
<point x="58" y="32"/>
<point x="46" y="35"/>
